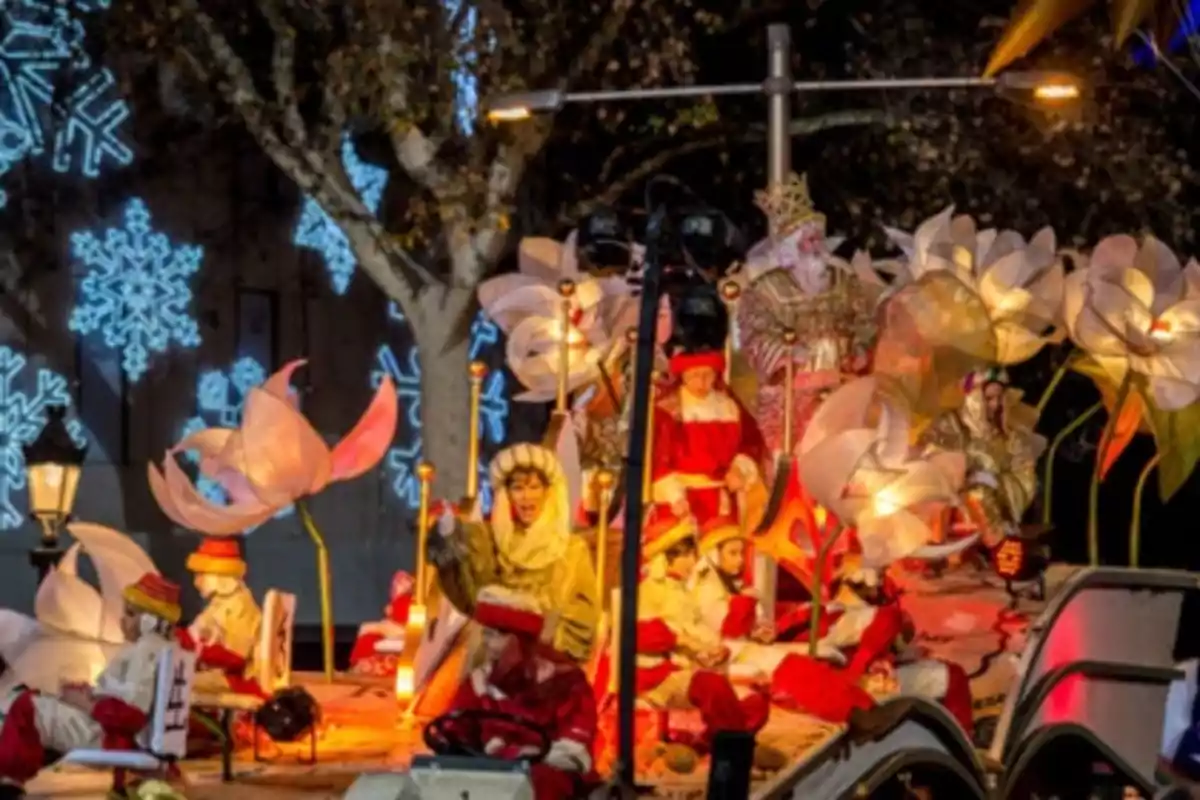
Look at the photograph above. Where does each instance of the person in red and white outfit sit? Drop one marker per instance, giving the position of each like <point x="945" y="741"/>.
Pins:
<point x="109" y="714"/>
<point x="521" y="677"/>
<point x="706" y="447"/>
<point x="680" y="659"/>
<point x="368" y="656"/>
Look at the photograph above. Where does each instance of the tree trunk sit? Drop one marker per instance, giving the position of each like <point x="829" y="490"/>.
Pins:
<point x="443" y="349"/>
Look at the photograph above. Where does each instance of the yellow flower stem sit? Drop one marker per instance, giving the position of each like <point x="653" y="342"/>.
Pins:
<point x="1135" y="525"/>
<point x="814" y="619"/>
<point x="326" y="586"/>
<point x="1048" y="392"/>
<point x="1093" y="529"/>
<point x="1051" y="454"/>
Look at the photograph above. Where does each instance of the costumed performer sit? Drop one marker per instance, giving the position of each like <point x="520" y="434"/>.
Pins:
<point x="367" y="657"/>
<point x="226" y="633"/>
<point x="679" y="657"/>
<point x="112" y="713"/>
<point x="870" y="628"/>
<point x="706" y="447"/>
<point x="527" y="546"/>
<point x="519" y="677"/>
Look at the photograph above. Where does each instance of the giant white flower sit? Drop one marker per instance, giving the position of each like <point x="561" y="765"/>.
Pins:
<point x="528" y="306"/>
<point x="857" y="462"/>
<point x="1019" y="282"/>
<point x="1137" y="308"/>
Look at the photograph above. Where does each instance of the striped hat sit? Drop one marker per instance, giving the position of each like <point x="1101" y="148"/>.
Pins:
<point x="155" y="595"/>
<point x="218" y="556"/>
<point x="663" y="530"/>
<point x="717" y="531"/>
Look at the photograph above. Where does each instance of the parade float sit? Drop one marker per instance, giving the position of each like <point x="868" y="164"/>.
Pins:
<point x="839" y="592"/>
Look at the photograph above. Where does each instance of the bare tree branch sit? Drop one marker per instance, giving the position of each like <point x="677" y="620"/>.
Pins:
<point x="800" y="127"/>
<point x="283" y="74"/>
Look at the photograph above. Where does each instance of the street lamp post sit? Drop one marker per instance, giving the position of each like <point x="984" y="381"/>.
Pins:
<point x="53" y="464"/>
<point x="778" y="88"/>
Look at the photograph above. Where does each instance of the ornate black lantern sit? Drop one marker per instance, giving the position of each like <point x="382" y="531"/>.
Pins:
<point x="53" y="465"/>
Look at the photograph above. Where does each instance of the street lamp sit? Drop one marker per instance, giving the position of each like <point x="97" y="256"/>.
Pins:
<point x="53" y="464"/>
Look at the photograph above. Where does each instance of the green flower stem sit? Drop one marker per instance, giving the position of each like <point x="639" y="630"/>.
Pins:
<point x="326" y="586"/>
<point x="1135" y="525"/>
<point x="1052" y="452"/>
<point x="1093" y="529"/>
<point x="1059" y="374"/>
<point x="814" y="619"/>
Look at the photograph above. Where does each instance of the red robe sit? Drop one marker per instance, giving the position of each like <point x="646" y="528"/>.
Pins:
<point x="696" y="443"/>
<point x="553" y="696"/>
<point x="221" y="659"/>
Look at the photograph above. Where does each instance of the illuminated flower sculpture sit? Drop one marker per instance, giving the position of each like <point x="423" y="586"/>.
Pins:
<point x="1019" y="282"/>
<point x="1135" y="312"/>
<point x="529" y="307"/>
<point x="856" y="461"/>
<point x="276" y="458"/>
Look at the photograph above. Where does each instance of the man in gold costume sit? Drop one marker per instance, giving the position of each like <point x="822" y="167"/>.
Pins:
<point x="996" y="431"/>
<point x="527" y="546"/>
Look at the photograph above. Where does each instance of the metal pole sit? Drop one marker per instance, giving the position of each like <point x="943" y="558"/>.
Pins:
<point x="778" y="88"/>
<point x="631" y="550"/>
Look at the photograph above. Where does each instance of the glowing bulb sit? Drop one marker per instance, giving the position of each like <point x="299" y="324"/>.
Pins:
<point x="885" y="504"/>
<point x="405" y="684"/>
<point x="1056" y="92"/>
<point x="416" y="616"/>
<point x="515" y="114"/>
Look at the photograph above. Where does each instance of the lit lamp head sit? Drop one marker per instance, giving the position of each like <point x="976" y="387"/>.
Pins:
<point x="519" y="106"/>
<point x="1047" y="88"/>
<point x="53" y="464"/>
<point x="477" y="371"/>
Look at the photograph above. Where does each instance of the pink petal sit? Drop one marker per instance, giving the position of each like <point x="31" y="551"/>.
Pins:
<point x="282" y="456"/>
<point x="363" y="447"/>
<point x="280" y="384"/>
<point x="185" y="506"/>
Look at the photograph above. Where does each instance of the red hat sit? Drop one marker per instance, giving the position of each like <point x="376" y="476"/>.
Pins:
<point x="504" y="610"/>
<point x="717" y="531"/>
<point x="215" y="556"/>
<point x="663" y="530"/>
<point x="155" y="595"/>
<point x="713" y="359"/>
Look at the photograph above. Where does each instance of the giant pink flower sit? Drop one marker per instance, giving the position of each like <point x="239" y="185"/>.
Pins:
<point x="274" y="459"/>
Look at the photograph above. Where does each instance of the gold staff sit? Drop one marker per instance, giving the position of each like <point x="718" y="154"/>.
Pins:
<point x="425" y="473"/>
<point x="605" y="481"/>
<point x="789" y="399"/>
<point x="731" y="292"/>
<point x="477" y="372"/>
<point x="566" y="290"/>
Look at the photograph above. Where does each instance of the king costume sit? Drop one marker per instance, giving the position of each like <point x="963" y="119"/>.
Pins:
<point x="540" y="557"/>
<point x="110" y="714"/>
<point x="520" y="679"/>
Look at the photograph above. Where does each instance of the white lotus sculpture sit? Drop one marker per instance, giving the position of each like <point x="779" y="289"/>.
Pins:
<point x="1019" y="282"/>
<point x="856" y="461"/>
<point x="528" y="307"/>
<point x="76" y="627"/>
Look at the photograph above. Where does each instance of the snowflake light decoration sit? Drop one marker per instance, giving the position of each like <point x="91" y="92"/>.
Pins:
<point x="42" y="40"/>
<point x="402" y="460"/>
<point x="317" y="230"/>
<point x="220" y="399"/>
<point x="24" y="398"/>
<point x="136" y="292"/>
<point x="466" y="85"/>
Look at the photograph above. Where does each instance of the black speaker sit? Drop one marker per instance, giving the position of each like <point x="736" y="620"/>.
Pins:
<point x="732" y="760"/>
<point x="288" y="715"/>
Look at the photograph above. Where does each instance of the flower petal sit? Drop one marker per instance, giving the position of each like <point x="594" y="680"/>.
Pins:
<point x="1172" y="395"/>
<point x="180" y="501"/>
<point x="280" y="384"/>
<point x="281" y="454"/>
<point x="368" y="441"/>
<point x="1113" y="254"/>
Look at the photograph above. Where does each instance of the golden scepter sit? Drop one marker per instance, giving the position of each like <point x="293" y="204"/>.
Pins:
<point x="605" y="481"/>
<point x="477" y="372"/>
<point x="566" y="290"/>
<point x="731" y="292"/>
<point x="414" y="629"/>
<point x="789" y="399"/>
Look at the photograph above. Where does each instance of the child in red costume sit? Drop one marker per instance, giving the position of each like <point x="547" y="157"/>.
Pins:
<point x="109" y="714"/>
<point x="367" y="657"/>
<point x="520" y="679"/>
<point x="678" y="654"/>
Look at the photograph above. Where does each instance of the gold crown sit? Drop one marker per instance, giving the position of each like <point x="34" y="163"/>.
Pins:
<point x="789" y="205"/>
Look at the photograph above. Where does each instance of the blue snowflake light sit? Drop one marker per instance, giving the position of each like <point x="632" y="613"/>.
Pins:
<point x="135" y="292"/>
<point x="220" y="400"/>
<point x="24" y="397"/>
<point x="317" y="230"/>
<point x="405" y="372"/>
<point x="466" y="85"/>
<point x="42" y="41"/>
